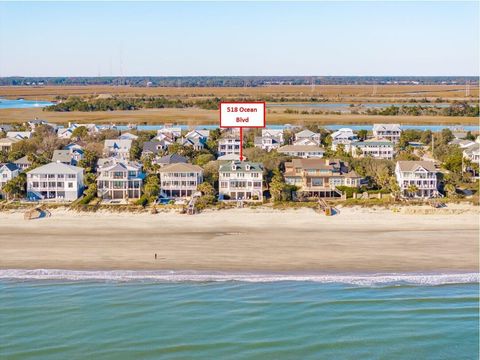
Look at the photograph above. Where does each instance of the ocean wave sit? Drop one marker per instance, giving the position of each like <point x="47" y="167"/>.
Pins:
<point x="195" y="276"/>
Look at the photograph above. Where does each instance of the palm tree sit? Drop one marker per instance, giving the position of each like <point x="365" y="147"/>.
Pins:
<point x="450" y="190"/>
<point x="412" y="189"/>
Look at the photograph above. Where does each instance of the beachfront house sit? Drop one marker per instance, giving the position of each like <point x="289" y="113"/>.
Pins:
<point x="8" y="171"/>
<point x="229" y="145"/>
<point x="376" y="148"/>
<point x="320" y="177"/>
<point x="55" y="181"/>
<point x="270" y="139"/>
<point x="417" y="178"/>
<point x="118" y="148"/>
<point x="119" y="180"/>
<point x="179" y="180"/>
<point x="307" y="137"/>
<point x="241" y="180"/>
<point x="390" y="132"/>
<point x="344" y="137"/>
<point x="302" y="151"/>
<point x="471" y="158"/>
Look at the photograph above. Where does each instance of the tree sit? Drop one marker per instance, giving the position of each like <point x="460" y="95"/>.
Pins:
<point x="80" y="132"/>
<point x="203" y="159"/>
<point x="450" y="190"/>
<point x="15" y="188"/>
<point x="362" y="134"/>
<point x="151" y="189"/>
<point x="394" y="187"/>
<point x="453" y="160"/>
<point x="89" y="161"/>
<point x="412" y="189"/>
<point x="277" y="185"/>
<point x="446" y="136"/>
<point x="206" y="189"/>
<point x="135" y="150"/>
<point x="469" y="136"/>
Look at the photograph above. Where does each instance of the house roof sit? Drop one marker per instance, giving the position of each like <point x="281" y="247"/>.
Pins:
<point x="413" y="165"/>
<point x="475" y="147"/>
<point x="305" y="148"/>
<point x="10" y="166"/>
<point x="180" y="167"/>
<point x="153" y="146"/>
<point x="229" y="157"/>
<point x="241" y="166"/>
<point x="118" y="143"/>
<point x="9" y="141"/>
<point x="64" y="156"/>
<point x="23" y="161"/>
<point x="171" y="159"/>
<point x="305" y="134"/>
<point x="128" y="135"/>
<point x="56" y="168"/>
<point x="386" y="127"/>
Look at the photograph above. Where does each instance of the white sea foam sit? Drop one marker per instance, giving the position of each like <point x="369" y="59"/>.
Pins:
<point x="194" y="276"/>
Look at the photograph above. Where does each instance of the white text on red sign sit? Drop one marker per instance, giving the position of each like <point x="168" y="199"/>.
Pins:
<point x="242" y="114"/>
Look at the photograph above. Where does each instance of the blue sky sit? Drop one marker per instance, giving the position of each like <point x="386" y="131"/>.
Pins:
<point x="250" y="38"/>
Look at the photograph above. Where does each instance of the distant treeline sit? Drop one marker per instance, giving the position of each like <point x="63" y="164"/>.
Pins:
<point x="237" y="81"/>
<point x="455" y="109"/>
<point x="76" y="103"/>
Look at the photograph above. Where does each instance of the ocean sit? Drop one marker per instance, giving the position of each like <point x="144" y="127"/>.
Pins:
<point x="126" y="315"/>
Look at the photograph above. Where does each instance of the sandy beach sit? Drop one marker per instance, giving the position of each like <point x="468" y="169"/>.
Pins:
<point x="355" y="240"/>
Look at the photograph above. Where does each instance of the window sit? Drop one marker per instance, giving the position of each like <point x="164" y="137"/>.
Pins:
<point x="70" y="185"/>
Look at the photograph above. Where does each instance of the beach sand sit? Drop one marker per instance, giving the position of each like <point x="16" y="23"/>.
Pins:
<point x="355" y="240"/>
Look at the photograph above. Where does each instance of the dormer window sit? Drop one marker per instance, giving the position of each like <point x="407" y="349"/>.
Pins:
<point x="247" y="167"/>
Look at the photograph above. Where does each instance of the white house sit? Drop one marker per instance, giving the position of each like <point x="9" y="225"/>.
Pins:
<point x="376" y="148"/>
<point x="172" y="132"/>
<point x="119" y="179"/>
<point x="229" y="145"/>
<point x="472" y="153"/>
<point x="8" y="171"/>
<point x="55" y="181"/>
<point x="343" y="136"/>
<point x="422" y="174"/>
<point x="180" y="180"/>
<point x="241" y="180"/>
<point x="307" y="137"/>
<point x="390" y="132"/>
<point x="118" y="148"/>
<point x="302" y="151"/>
<point x="199" y="134"/>
<point x="270" y="139"/>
